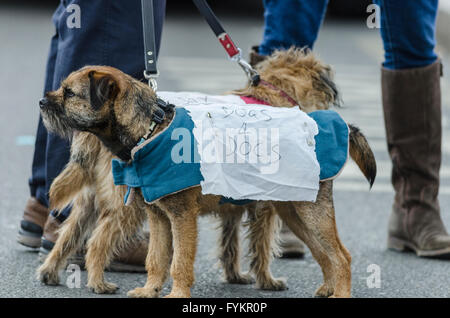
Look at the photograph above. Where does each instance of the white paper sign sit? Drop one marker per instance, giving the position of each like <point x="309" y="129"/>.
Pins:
<point x="251" y="151"/>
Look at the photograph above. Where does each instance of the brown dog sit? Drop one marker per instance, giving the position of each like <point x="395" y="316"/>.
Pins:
<point x="99" y="214"/>
<point x="118" y="109"/>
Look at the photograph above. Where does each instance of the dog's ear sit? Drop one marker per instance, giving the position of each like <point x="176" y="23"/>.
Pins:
<point x="103" y="87"/>
<point x="326" y="79"/>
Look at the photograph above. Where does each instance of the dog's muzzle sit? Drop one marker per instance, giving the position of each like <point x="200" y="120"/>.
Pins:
<point x="43" y="102"/>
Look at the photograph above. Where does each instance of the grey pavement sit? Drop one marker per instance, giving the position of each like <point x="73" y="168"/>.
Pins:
<point x="191" y="59"/>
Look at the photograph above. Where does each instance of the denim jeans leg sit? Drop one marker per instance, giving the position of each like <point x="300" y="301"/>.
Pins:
<point x="291" y="23"/>
<point x="37" y="181"/>
<point x="408" y="32"/>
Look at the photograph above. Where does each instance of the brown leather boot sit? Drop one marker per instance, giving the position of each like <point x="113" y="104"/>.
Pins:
<point x="32" y="224"/>
<point x="49" y="236"/>
<point x="255" y="57"/>
<point x="291" y="246"/>
<point x="412" y="112"/>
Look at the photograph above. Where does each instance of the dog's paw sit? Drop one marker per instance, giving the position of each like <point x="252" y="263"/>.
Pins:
<point x="241" y="279"/>
<point x="273" y="284"/>
<point x="179" y="292"/>
<point x="142" y="292"/>
<point x="48" y="277"/>
<point x="178" y="295"/>
<point x="341" y="296"/>
<point x="323" y="291"/>
<point x="103" y="288"/>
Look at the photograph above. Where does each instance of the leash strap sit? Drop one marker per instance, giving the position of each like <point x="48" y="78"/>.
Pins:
<point x="217" y="28"/>
<point x="225" y="40"/>
<point x="151" y="71"/>
<point x="148" y="23"/>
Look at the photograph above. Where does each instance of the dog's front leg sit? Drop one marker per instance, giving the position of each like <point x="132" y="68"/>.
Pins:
<point x="67" y="185"/>
<point x="71" y="236"/>
<point x="159" y="255"/>
<point x="111" y="234"/>
<point x="184" y="234"/>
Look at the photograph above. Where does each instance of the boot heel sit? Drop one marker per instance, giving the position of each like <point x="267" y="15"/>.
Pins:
<point x="396" y="244"/>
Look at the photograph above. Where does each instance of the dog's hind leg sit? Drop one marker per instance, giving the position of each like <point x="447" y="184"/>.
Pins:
<point x="315" y="224"/>
<point x="230" y="221"/>
<point x="262" y="231"/>
<point x="159" y="255"/>
<point x="114" y="228"/>
<point x="71" y="236"/>
<point x="289" y="215"/>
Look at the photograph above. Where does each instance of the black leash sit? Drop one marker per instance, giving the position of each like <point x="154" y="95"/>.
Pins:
<point x="224" y="38"/>
<point x="161" y="109"/>
<point x="148" y="23"/>
<point x="151" y="71"/>
<point x="217" y="28"/>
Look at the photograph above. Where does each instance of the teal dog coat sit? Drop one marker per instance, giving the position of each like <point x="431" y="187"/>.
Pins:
<point x="154" y="171"/>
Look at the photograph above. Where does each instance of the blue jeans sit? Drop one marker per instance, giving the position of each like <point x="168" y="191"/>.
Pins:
<point x="110" y="33"/>
<point x="407" y="28"/>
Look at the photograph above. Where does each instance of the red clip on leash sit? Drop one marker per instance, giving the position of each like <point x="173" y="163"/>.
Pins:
<point x="217" y="28"/>
<point x="151" y="72"/>
<point x="233" y="51"/>
<point x="225" y="40"/>
<point x="228" y="45"/>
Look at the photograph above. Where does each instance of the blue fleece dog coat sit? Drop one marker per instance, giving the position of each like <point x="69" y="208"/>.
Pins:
<point x="157" y="175"/>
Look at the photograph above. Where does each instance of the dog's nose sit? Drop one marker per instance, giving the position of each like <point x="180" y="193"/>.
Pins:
<point x="43" y="102"/>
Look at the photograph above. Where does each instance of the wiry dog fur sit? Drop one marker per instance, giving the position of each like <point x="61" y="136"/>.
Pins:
<point x="301" y="75"/>
<point x="117" y="109"/>
<point x="98" y="213"/>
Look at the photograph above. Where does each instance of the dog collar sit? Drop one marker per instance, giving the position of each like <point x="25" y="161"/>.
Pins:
<point x="259" y="81"/>
<point x="254" y="100"/>
<point x="280" y="91"/>
<point x="159" y="114"/>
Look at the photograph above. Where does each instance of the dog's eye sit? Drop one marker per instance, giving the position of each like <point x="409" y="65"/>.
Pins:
<point x="68" y="93"/>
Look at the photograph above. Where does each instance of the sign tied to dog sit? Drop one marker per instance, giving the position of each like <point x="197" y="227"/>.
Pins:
<point x="237" y="150"/>
<point x="256" y="152"/>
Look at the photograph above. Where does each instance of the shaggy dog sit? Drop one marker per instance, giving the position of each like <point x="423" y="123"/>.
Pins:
<point x="98" y="213"/>
<point x="117" y="109"/>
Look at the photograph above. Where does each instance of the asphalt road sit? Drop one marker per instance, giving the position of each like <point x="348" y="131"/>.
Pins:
<point x="191" y="59"/>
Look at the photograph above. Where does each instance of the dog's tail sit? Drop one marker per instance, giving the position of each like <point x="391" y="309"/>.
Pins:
<point x="362" y="154"/>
